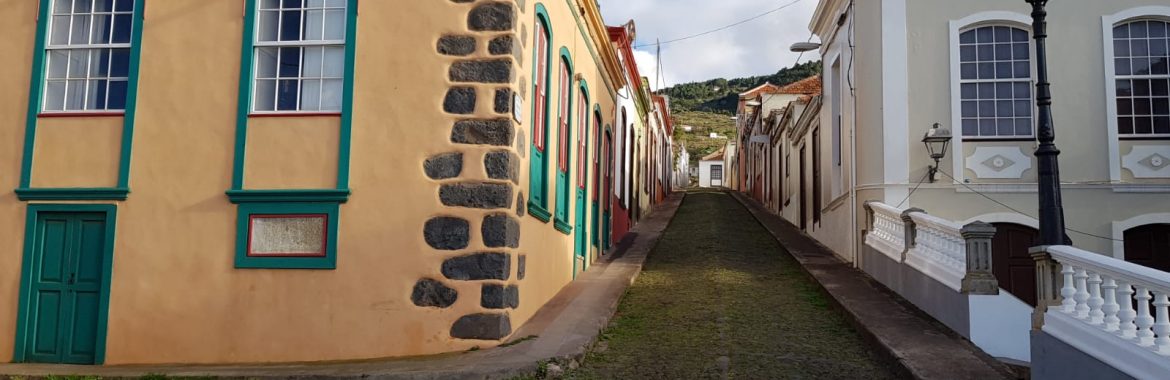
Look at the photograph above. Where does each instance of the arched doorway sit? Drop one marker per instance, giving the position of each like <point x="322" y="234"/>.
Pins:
<point x="1149" y="245"/>
<point x="1011" y="263"/>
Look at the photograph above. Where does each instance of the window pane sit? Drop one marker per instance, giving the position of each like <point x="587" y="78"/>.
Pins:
<point x="1121" y="66"/>
<point x="1003" y="34"/>
<point x="968" y="71"/>
<point x="122" y="27"/>
<point x="99" y="65"/>
<point x="1158" y="66"/>
<point x="1161" y="106"/>
<point x="101" y="29"/>
<point x="96" y="98"/>
<point x="80" y="30"/>
<point x="55" y="96"/>
<point x="970" y="127"/>
<point x="334" y="62"/>
<point x="984" y="35"/>
<point x="1004" y="90"/>
<point x="1024" y="127"/>
<point x="987" y="108"/>
<point x="1141" y="87"/>
<point x="269" y="4"/>
<point x="1021" y="90"/>
<point x="62" y="6"/>
<point x="60" y="31"/>
<point x="58" y="64"/>
<point x="970" y="109"/>
<point x="1157" y="29"/>
<point x="334" y="3"/>
<point x="75" y="95"/>
<point x="967" y="37"/>
<point x="310" y="95"/>
<point x="1022" y="69"/>
<point x="1141" y="66"/>
<point x="1124" y="106"/>
<point x="103" y="6"/>
<point x="1125" y="125"/>
<point x="987" y="127"/>
<point x="1124" y="88"/>
<point x="1139" y="48"/>
<point x="265" y="95"/>
<point x="292" y="3"/>
<point x="290" y="25"/>
<point x="986" y="52"/>
<point x="314" y="25"/>
<point x="1003" y="52"/>
<point x="1158" y="48"/>
<point x="966" y="53"/>
<point x="335" y="24"/>
<point x="1158" y="87"/>
<point x="987" y="91"/>
<point x="119" y="62"/>
<point x="331" y="95"/>
<point x="1137" y="29"/>
<point x="1120" y="48"/>
<point x="312" y="65"/>
<point x="1019" y="35"/>
<point x="78" y="63"/>
<point x="1005" y="127"/>
<point x="290" y="62"/>
<point x="1020" y="50"/>
<point x="266" y="62"/>
<point x="82" y="6"/>
<point x="117" y="95"/>
<point x="124" y="5"/>
<point x="968" y="90"/>
<point x="287" y="93"/>
<point x="986" y="71"/>
<point x="1142" y="125"/>
<point x="1142" y="106"/>
<point x="1162" y="124"/>
<point x="1121" y="31"/>
<point x="1005" y="108"/>
<point x="1023" y="108"/>
<point x="268" y="25"/>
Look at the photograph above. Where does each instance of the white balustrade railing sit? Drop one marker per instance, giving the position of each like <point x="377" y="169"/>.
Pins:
<point x="939" y="249"/>
<point x="1127" y="301"/>
<point x="888" y="234"/>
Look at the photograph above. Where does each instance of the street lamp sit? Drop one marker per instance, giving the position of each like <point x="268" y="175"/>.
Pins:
<point x="1051" y="206"/>
<point x="801" y="47"/>
<point x="936" y="140"/>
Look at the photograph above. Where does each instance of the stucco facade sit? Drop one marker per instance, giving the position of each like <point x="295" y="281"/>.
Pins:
<point x="421" y="177"/>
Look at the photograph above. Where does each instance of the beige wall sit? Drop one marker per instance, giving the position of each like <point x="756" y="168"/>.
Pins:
<point x="176" y="296"/>
<point x="1078" y="82"/>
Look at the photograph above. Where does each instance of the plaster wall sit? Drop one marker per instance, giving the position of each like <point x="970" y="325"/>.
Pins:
<point x="175" y="294"/>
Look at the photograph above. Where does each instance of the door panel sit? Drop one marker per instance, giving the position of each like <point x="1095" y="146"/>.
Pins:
<point x="68" y="260"/>
<point x="1149" y="245"/>
<point x="1012" y="265"/>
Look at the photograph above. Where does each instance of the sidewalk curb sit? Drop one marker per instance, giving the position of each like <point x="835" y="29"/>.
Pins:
<point x="881" y="316"/>
<point x="564" y="329"/>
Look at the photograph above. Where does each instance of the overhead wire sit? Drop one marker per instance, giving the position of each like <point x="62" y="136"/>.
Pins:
<point x="725" y="27"/>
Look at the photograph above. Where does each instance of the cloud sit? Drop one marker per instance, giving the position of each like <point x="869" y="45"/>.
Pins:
<point x="757" y="47"/>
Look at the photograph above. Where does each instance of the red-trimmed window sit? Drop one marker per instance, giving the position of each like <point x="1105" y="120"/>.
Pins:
<point x="582" y="131"/>
<point x="540" y="124"/>
<point x="288" y="235"/>
<point x="563" y="120"/>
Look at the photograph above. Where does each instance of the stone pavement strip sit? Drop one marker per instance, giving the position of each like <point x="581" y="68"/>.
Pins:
<point x="925" y="348"/>
<point x="564" y="329"/>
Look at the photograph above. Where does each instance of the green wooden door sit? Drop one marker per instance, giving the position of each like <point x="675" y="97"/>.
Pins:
<point x="65" y="288"/>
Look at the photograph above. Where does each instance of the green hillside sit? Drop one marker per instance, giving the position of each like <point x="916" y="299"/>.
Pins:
<point x="709" y="107"/>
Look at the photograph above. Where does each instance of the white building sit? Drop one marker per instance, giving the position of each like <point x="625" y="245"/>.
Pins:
<point x="711" y="170"/>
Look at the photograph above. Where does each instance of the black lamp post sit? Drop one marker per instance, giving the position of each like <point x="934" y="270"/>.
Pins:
<point x="936" y="141"/>
<point x="1051" y="206"/>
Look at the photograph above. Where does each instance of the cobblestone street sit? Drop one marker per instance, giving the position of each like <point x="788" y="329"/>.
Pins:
<point x="719" y="298"/>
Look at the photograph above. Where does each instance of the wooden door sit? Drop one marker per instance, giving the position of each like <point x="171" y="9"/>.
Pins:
<point x="1149" y="245"/>
<point x="803" y="190"/>
<point x="1011" y="263"/>
<point x="64" y="291"/>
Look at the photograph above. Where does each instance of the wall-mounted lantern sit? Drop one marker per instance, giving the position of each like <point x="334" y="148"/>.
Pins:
<point x="936" y="140"/>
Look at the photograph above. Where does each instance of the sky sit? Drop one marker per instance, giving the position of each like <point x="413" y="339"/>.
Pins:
<point x="757" y="47"/>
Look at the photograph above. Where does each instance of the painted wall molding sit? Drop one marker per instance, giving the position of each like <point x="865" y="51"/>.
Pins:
<point x="1148" y="161"/>
<point x="1119" y="228"/>
<point x="1107" y="23"/>
<point x="998" y="162"/>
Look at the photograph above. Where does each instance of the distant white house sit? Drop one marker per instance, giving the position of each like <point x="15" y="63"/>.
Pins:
<point x="711" y="170"/>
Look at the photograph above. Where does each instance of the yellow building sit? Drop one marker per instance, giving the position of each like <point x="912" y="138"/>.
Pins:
<point x="219" y="181"/>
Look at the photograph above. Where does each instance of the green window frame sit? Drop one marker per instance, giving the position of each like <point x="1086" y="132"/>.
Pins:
<point x="249" y="212"/>
<point x="541" y="76"/>
<point x="36" y="98"/>
<point x="565" y="121"/>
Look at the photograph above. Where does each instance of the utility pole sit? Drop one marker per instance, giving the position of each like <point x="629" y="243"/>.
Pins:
<point x="1051" y="206"/>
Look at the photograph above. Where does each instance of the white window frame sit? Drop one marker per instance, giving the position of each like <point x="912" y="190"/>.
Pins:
<point x="1107" y="24"/>
<point x="257" y="45"/>
<point x="1004" y="18"/>
<point x="88" y="77"/>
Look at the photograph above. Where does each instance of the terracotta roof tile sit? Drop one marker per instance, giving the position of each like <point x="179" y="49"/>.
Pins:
<point x="806" y="86"/>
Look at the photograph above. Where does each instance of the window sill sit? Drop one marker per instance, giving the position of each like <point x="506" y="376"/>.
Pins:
<point x="999" y="139"/>
<point x="1144" y="138"/>
<point x="562" y="226"/>
<point x="538" y="212"/>
<point x="72" y="194"/>
<point x="298" y="195"/>
<point x="81" y="114"/>
<point x="293" y="114"/>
